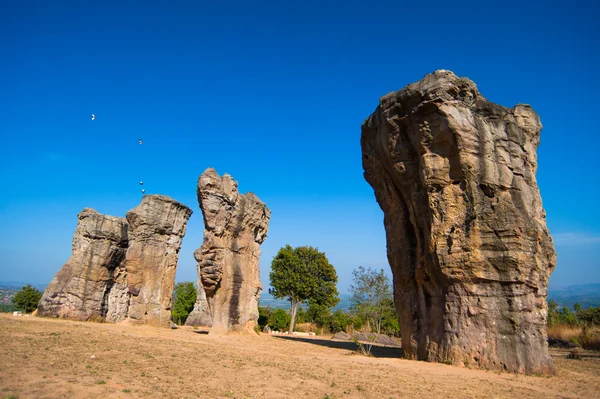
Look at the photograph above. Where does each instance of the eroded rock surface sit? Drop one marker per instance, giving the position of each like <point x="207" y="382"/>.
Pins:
<point x="228" y="260"/>
<point x="466" y="233"/>
<point x="157" y="227"/>
<point x="79" y="291"/>
<point x="201" y="314"/>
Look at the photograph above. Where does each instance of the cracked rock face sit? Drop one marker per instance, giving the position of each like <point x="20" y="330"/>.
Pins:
<point x="466" y="233"/>
<point x="157" y="227"/>
<point x="79" y="290"/>
<point x="228" y="260"/>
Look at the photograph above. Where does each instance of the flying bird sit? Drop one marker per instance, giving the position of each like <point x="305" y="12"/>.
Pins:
<point x="140" y="141"/>
<point x="143" y="191"/>
<point x="141" y="183"/>
<point x="93" y="116"/>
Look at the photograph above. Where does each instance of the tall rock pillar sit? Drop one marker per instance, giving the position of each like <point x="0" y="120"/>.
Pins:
<point x="466" y="232"/>
<point x="79" y="291"/>
<point x="157" y="227"/>
<point x="228" y="260"/>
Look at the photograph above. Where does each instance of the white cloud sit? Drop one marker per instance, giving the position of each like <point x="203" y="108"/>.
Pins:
<point x="575" y="238"/>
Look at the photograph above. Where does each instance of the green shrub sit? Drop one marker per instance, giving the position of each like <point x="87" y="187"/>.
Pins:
<point x="27" y="298"/>
<point x="339" y="321"/>
<point x="280" y="320"/>
<point x="264" y="315"/>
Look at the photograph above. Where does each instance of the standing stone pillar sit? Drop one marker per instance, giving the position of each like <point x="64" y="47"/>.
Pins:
<point x="79" y="289"/>
<point x="157" y="227"/>
<point x="228" y="260"/>
<point x="466" y="232"/>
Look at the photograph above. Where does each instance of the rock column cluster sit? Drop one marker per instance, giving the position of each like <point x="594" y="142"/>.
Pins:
<point x="121" y="268"/>
<point x="125" y="268"/>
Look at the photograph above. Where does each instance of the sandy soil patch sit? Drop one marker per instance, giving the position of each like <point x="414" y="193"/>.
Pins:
<point x="46" y="358"/>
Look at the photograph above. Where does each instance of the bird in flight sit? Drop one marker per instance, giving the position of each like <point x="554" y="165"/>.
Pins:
<point x="93" y="116"/>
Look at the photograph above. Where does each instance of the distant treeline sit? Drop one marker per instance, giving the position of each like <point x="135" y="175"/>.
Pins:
<point x="9" y="307"/>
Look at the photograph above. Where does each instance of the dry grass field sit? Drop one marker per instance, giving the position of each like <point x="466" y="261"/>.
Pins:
<point x="43" y="358"/>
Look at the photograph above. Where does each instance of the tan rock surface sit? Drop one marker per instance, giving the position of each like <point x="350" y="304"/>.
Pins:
<point x="157" y="227"/>
<point x="466" y="233"/>
<point x="201" y="314"/>
<point x="228" y="260"/>
<point x="79" y="291"/>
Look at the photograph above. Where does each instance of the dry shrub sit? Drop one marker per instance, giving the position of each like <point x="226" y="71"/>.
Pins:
<point x="590" y="338"/>
<point x="564" y="332"/>
<point x="305" y="327"/>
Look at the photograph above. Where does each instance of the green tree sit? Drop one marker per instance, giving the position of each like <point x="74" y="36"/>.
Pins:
<point x="184" y="298"/>
<point x="303" y="275"/>
<point x="280" y="320"/>
<point x="302" y="315"/>
<point x="318" y="314"/>
<point x="339" y="321"/>
<point x="372" y="298"/>
<point x="590" y="316"/>
<point x="565" y="316"/>
<point x="552" y="309"/>
<point x="264" y="316"/>
<point x="27" y="298"/>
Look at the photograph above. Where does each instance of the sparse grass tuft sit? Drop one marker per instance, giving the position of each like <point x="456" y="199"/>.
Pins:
<point x="305" y="327"/>
<point x="564" y="332"/>
<point x="101" y="382"/>
<point x="590" y="338"/>
<point x="586" y="337"/>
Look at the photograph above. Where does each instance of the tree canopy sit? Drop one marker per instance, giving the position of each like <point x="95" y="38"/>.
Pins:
<point x="372" y="299"/>
<point x="27" y="298"/>
<point x="184" y="300"/>
<point x="303" y="274"/>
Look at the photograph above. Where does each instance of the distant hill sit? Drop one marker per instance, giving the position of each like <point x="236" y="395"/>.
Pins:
<point x="11" y="285"/>
<point x="587" y="295"/>
<point x="268" y="300"/>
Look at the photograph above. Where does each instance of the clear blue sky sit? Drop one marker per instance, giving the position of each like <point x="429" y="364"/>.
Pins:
<point x="274" y="94"/>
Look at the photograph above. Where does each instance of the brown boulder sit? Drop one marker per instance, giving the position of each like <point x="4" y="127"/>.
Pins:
<point x="79" y="289"/>
<point x="157" y="227"/>
<point x="228" y="260"/>
<point x="466" y="233"/>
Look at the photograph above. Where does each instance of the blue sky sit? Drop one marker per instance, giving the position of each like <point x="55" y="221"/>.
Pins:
<point x="274" y="94"/>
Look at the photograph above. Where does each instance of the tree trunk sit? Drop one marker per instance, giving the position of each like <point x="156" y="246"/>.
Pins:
<point x="294" y="309"/>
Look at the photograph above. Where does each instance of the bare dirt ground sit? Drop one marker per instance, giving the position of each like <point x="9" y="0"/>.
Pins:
<point x="44" y="358"/>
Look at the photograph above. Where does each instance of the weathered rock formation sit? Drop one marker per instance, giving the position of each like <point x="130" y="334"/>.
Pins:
<point x="228" y="260"/>
<point x="201" y="314"/>
<point x="120" y="269"/>
<point x="466" y="234"/>
<point x="157" y="227"/>
<point x="79" y="291"/>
